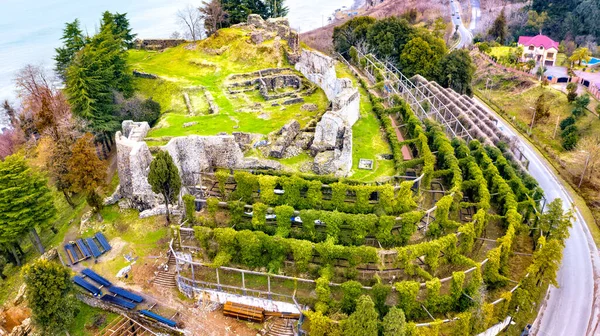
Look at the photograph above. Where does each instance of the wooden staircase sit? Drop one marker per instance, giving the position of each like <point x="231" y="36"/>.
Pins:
<point x="281" y="327"/>
<point x="167" y="278"/>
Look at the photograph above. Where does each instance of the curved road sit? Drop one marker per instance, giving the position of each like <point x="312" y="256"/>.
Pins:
<point x="574" y="307"/>
<point x="466" y="37"/>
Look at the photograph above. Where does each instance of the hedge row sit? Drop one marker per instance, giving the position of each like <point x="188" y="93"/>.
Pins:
<point x="497" y="266"/>
<point x="342" y="228"/>
<point x="305" y="194"/>
<point x="256" y="249"/>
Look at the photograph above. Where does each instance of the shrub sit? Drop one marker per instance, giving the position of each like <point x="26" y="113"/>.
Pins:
<point x="284" y="215"/>
<point x="351" y="290"/>
<point x="567" y="122"/>
<point x="259" y="216"/>
<point x="222" y="177"/>
<point x="212" y="205"/>
<point x="189" y="202"/>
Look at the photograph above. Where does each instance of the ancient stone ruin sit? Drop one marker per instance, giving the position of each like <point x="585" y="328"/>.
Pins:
<point x="192" y="155"/>
<point x="157" y="44"/>
<point x="332" y="144"/>
<point x="261" y="30"/>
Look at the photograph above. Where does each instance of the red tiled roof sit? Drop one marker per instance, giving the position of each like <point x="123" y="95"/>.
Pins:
<point x="538" y="41"/>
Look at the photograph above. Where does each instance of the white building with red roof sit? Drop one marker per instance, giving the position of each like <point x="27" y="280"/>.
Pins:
<point x="540" y="48"/>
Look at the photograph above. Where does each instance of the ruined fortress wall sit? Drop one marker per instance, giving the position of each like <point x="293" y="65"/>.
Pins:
<point x="320" y="69"/>
<point x="192" y="154"/>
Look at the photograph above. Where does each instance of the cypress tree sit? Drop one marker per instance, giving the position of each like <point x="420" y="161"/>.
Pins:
<point x="364" y="320"/>
<point x="164" y="178"/>
<point x="394" y="323"/>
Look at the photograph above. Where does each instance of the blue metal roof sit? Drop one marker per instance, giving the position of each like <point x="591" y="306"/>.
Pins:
<point x="159" y="318"/>
<point x="97" y="278"/>
<point x="102" y="240"/>
<point x="88" y="286"/>
<point x="118" y="301"/>
<point x="84" y="250"/>
<point x="126" y="294"/>
<point x="93" y="247"/>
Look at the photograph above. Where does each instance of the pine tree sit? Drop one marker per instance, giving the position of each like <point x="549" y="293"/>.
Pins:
<point x="276" y="8"/>
<point x="164" y="178"/>
<point x="119" y="24"/>
<point x="498" y="30"/>
<point x="25" y="202"/>
<point x="50" y="296"/>
<point x="394" y="323"/>
<point x="73" y="41"/>
<point x="364" y="320"/>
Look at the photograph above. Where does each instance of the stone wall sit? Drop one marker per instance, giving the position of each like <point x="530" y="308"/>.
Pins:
<point x="332" y="144"/>
<point x="192" y="154"/>
<point x="157" y="44"/>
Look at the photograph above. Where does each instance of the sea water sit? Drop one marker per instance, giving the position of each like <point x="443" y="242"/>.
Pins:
<point x="30" y="30"/>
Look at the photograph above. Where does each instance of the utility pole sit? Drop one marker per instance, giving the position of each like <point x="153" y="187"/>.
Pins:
<point x="587" y="161"/>
<point x="556" y="128"/>
<point x="532" y="120"/>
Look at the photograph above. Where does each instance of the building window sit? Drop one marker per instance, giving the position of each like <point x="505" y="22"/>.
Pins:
<point x="550" y="55"/>
<point x="531" y="47"/>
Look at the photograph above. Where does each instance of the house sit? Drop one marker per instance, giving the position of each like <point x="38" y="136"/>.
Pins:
<point x="540" y="48"/>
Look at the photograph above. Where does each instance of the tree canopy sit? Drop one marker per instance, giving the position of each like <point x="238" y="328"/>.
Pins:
<point x="50" y="296"/>
<point x="25" y="200"/>
<point x="164" y="178"/>
<point x="456" y="71"/>
<point x="364" y="320"/>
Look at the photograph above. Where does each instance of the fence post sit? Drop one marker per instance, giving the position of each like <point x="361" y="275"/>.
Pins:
<point x="218" y="281"/>
<point x="269" y="286"/>
<point x="243" y="283"/>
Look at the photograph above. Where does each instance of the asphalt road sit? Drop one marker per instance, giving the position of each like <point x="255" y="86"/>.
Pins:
<point x="574" y="307"/>
<point x="466" y="37"/>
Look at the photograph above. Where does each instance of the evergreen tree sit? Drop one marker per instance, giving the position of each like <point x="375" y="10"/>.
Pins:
<point x="364" y="320"/>
<point x="394" y="323"/>
<point x="380" y="294"/>
<point x="238" y="10"/>
<point x="388" y="36"/>
<point x="73" y="41"/>
<point x="499" y="30"/>
<point x="164" y="178"/>
<point x="417" y="58"/>
<point x="120" y="27"/>
<point x="25" y="202"/>
<point x="276" y="8"/>
<point x="456" y="71"/>
<point x="50" y="296"/>
<point x="352" y="33"/>
<point x="99" y="69"/>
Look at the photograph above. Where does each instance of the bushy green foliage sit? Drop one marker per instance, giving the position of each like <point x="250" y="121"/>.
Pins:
<point x="259" y="216"/>
<point x="380" y="293"/>
<point x="164" y="178"/>
<point x="462" y="326"/>
<point x="351" y="290"/>
<point x="407" y="296"/>
<point x="247" y="184"/>
<point x="284" y="215"/>
<point x="353" y="31"/>
<point x="212" y="205"/>
<point x="50" y="296"/>
<point x="236" y="209"/>
<point x="222" y="177"/>
<point x="267" y="186"/>
<point x="25" y="201"/>
<point x="203" y="235"/>
<point x="321" y="325"/>
<point x="394" y="323"/>
<point x="302" y="251"/>
<point x="364" y="320"/>
<point x="189" y="203"/>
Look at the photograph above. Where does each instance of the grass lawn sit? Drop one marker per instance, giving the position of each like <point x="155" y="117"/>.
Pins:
<point x="502" y="51"/>
<point x="561" y="60"/>
<point x="90" y="320"/>
<point x="129" y="235"/>
<point x="368" y="138"/>
<point x="208" y="64"/>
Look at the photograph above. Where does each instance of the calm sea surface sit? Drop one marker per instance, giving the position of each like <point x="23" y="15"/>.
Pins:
<point x="30" y="30"/>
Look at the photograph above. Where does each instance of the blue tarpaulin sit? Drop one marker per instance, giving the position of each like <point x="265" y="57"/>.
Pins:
<point x="97" y="278"/>
<point x="159" y="318"/>
<point x="88" y="286"/>
<point x="126" y="294"/>
<point x="93" y="247"/>
<point x="84" y="250"/>
<point x="118" y="301"/>
<point x="103" y="242"/>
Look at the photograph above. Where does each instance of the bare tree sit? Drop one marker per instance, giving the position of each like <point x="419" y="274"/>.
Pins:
<point x="213" y="14"/>
<point x="590" y="149"/>
<point x="190" y="19"/>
